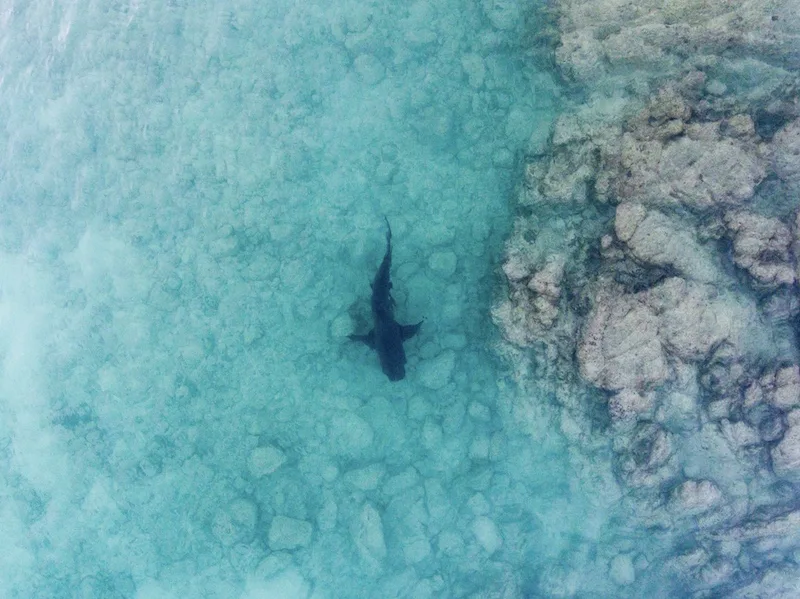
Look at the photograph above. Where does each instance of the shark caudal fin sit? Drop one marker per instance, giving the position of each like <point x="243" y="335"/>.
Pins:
<point x="388" y="230"/>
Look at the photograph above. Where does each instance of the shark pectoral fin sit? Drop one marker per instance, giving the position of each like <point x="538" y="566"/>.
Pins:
<point x="407" y="331"/>
<point x="369" y="338"/>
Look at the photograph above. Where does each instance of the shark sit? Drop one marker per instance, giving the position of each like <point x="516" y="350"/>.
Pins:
<point x="387" y="335"/>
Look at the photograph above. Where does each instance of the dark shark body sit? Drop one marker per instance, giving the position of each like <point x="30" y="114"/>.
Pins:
<point x="387" y="335"/>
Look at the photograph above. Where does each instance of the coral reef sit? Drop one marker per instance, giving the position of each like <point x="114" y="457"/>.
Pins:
<point x="661" y="281"/>
<point x="613" y="40"/>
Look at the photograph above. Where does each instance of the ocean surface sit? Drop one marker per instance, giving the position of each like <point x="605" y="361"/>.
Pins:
<point x="192" y="203"/>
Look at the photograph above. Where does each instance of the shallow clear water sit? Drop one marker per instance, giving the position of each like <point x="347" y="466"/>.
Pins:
<point x="192" y="209"/>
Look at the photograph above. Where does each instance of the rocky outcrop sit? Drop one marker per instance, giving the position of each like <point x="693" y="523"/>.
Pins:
<point x="627" y="405"/>
<point x="621" y="347"/>
<point x="694" y="497"/>
<point x="645" y="458"/>
<point x="658" y="258"/>
<point x="780" y="389"/>
<point x="630" y="339"/>
<point x="580" y="165"/>
<point x="786" y="155"/>
<point x="615" y="40"/>
<point x="534" y="294"/>
<point x="536" y="290"/>
<point x="654" y="238"/>
<point x="762" y="246"/>
<point x="700" y="165"/>
<point x="786" y="455"/>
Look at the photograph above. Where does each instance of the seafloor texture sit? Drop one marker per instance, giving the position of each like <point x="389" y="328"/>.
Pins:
<point x="652" y="284"/>
<point x="191" y="210"/>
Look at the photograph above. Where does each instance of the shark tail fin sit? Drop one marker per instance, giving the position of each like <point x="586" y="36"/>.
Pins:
<point x="388" y="230"/>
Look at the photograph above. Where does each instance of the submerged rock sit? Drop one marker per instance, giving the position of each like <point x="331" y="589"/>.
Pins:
<point x="784" y="392"/>
<point x="655" y="238"/>
<point x="695" y="497"/>
<point x="545" y="284"/>
<point x="762" y="246"/>
<point x="777" y="583"/>
<point x="621" y="570"/>
<point x="368" y="537"/>
<point x="786" y="455"/>
<point x="614" y="42"/>
<point x="786" y="154"/>
<point x="620" y="347"/>
<point x="695" y="318"/>
<point x="629" y="405"/>
<point x="628" y="337"/>
<point x="701" y="170"/>
<point x="678" y="411"/>
<point x="487" y="534"/>
<point x="780" y="388"/>
<point x="236" y="524"/>
<point x="265" y="460"/>
<point x="436" y="372"/>
<point x="644" y="459"/>
<point x="534" y="294"/>
<point x="289" y="533"/>
<point x="676" y="187"/>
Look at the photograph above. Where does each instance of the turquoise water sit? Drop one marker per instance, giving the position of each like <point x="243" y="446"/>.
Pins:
<point x="192" y="209"/>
